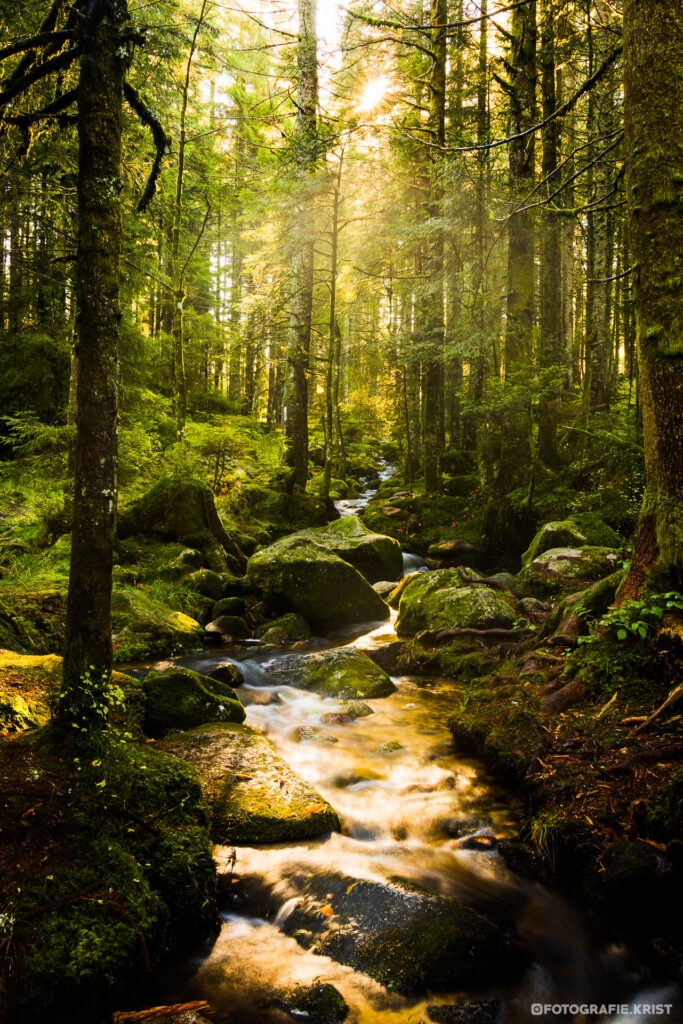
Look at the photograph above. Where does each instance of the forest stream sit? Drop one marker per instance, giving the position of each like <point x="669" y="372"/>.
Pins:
<point x="412" y="808"/>
<point x="422" y="813"/>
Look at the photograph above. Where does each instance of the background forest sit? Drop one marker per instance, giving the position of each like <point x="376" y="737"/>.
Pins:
<point x="465" y="295"/>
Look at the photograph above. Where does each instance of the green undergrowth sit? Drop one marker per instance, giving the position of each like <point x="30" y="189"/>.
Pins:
<point x="125" y="879"/>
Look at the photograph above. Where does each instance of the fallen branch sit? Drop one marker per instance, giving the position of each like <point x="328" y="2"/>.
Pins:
<point x="162" y="1012"/>
<point x="666" y="753"/>
<point x="673" y="697"/>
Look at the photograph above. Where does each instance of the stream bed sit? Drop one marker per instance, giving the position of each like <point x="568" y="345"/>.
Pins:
<point x="421" y="812"/>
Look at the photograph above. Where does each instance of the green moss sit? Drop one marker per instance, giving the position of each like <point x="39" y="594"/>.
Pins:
<point x="284" y="630"/>
<point x="181" y="699"/>
<point x="320" y="1003"/>
<point x="376" y="557"/>
<point x="665" y="818"/>
<point x="342" y="672"/>
<point x="562" y="534"/>
<point x="143" y="628"/>
<point x="129" y="878"/>
<point x="438" y="600"/>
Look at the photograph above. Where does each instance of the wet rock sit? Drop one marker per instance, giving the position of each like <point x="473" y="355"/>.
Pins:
<point x="228" y="606"/>
<point x="486" y="1012"/>
<point x="227" y="673"/>
<point x="341" y="672"/>
<point x="285" y="630"/>
<point x="395" y="595"/>
<point x="227" y="629"/>
<point x="440" y="600"/>
<point x="522" y="859"/>
<point x="253" y="795"/>
<point x="319" y="585"/>
<point x="456" y="828"/>
<point x="28" y="685"/>
<point x="320" y="1004"/>
<point x="384" y="588"/>
<point x="375" y="556"/>
<point x="181" y="699"/>
<point x="506" y="579"/>
<point x="388" y="656"/>
<point x="560" y="571"/>
<point x="336" y="718"/>
<point x="405" y="938"/>
<point x="390" y="747"/>
<point x="143" y="628"/>
<point x="561" y="534"/>
<point x="357" y="709"/>
<point x="307" y="734"/>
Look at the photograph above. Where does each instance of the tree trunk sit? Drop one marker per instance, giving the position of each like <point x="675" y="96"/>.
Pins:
<point x="653" y="57"/>
<point x="85" y="692"/>
<point x="295" y="408"/>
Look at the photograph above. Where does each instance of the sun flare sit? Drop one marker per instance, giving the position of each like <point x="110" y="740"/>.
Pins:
<point x="374" y="92"/>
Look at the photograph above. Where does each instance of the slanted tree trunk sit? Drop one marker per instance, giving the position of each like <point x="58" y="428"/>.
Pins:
<point x="653" y="57"/>
<point x="84" y="696"/>
<point x="295" y="404"/>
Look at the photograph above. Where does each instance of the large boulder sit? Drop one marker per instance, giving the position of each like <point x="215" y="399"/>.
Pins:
<point x="182" y="699"/>
<point x="561" y="534"/>
<point x="405" y="938"/>
<point x="561" y="571"/>
<point x="29" y="684"/>
<point x="287" y="629"/>
<point x="440" y="600"/>
<point x="375" y="556"/>
<point x="144" y="628"/>
<point x="253" y="795"/>
<point x="178" y="509"/>
<point x="343" y="672"/>
<point x="319" y="585"/>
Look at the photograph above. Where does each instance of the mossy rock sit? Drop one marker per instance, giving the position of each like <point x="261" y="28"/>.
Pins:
<point x="138" y="849"/>
<point x="417" y="521"/>
<point x="320" y="1003"/>
<point x="254" y="796"/>
<point x="586" y="605"/>
<point x="322" y="587"/>
<point x="561" y="534"/>
<point x="207" y="583"/>
<point x="182" y="699"/>
<point x="342" y="672"/>
<point x="394" y="597"/>
<point x="461" y="485"/>
<point x="285" y="630"/>
<point x="408" y="940"/>
<point x="453" y="661"/>
<point x="375" y="556"/>
<point x="29" y="684"/>
<point x="190" y="558"/>
<point x="438" y="600"/>
<point x="145" y="628"/>
<point x="227" y="629"/>
<point x="561" y="571"/>
<point x="177" y="509"/>
<point x="228" y="606"/>
<point x="598" y="533"/>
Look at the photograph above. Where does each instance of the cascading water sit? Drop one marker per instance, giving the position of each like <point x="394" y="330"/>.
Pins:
<point x="419" y="811"/>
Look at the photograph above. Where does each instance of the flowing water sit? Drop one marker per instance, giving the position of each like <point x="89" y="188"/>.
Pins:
<point x="425" y="813"/>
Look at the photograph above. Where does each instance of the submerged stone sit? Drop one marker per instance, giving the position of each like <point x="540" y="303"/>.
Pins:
<point x="320" y="1003"/>
<point x="253" y="795"/>
<point x="287" y="629"/>
<point x="319" y="585"/>
<point x="341" y="672"/>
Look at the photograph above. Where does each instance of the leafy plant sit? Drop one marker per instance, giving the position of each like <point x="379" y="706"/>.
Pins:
<point x="636" y="619"/>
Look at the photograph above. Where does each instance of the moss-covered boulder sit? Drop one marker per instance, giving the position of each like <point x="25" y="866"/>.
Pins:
<point x="453" y="552"/>
<point x="407" y="939"/>
<point x="228" y="606"/>
<point x="182" y="699"/>
<point x="344" y="672"/>
<point x="227" y="629"/>
<point x="287" y="629"/>
<point x="206" y="583"/>
<point x="439" y="600"/>
<point x="561" y="534"/>
<point x="29" y="684"/>
<point x="319" y="585"/>
<point x="254" y="796"/>
<point x="417" y="521"/>
<point x="560" y="571"/>
<point x="377" y="557"/>
<point x="145" y="628"/>
<point x="179" y="509"/>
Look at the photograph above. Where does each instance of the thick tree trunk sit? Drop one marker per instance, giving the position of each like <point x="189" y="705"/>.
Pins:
<point x="653" y="57"/>
<point x="84" y="697"/>
<point x="295" y="407"/>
